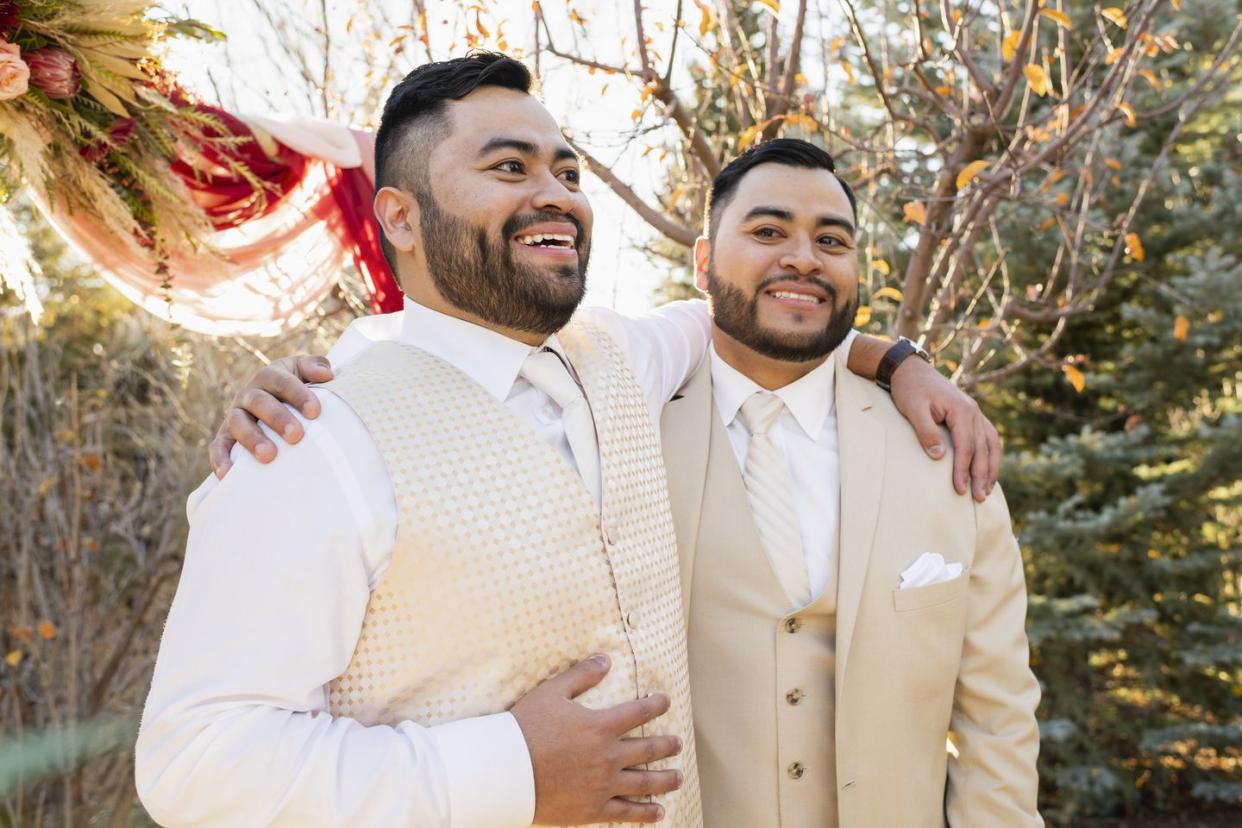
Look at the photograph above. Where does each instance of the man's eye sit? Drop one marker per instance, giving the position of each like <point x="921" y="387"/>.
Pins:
<point x="572" y="176"/>
<point x="510" y="166"/>
<point x="831" y="241"/>
<point x="766" y="233"/>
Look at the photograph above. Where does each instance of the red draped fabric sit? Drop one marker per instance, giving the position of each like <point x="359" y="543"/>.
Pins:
<point x="359" y="232"/>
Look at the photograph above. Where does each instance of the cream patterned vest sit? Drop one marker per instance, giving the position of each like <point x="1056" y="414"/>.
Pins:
<point x="505" y="571"/>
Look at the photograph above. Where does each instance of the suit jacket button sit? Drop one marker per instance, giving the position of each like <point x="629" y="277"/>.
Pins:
<point x="792" y="625"/>
<point x="796" y="770"/>
<point x="795" y="696"/>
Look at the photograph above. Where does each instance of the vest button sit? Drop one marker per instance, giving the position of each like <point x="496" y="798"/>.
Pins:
<point x="792" y="625"/>
<point x="796" y="770"/>
<point x="795" y="696"/>
<point x="631" y="619"/>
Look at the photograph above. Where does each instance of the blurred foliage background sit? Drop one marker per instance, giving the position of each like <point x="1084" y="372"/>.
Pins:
<point x="1083" y="283"/>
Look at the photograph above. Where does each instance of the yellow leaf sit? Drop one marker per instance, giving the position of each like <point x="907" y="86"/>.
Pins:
<point x="1047" y="224"/>
<point x="14" y="658"/>
<point x="47" y="630"/>
<point x="637" y="114"/>
<point x="1134" y="247"/>
<point x="23" y="633"/>
<point x="1114" y="15"/>
<point x="880" y="266"/>
<point x="1009" y="46"/>
<point x="478" y="23"/>
<point x="943" y="91"/>
<point x="1177" y="4"/>
<point x="1181" y="328"/>
<point x="1060" y="18"/>
<point x="863" y="316"/>
<point x="1037" y="78"/>
<point x="577" y="18"/>
<point x="887" y="293"/>
<point x="914" y="211"/>
<point x="706" y="21"/>
<point x="1113" y="163"/>
<point x="1150" y="77"/>
<point x="1075" y="377"/>
<point x="969" y="172"/>
<point x="1114" y="55"/>
<point x="849" y="70"/>
<point x="773" y="6"/>
<point x="1131" y="115"/>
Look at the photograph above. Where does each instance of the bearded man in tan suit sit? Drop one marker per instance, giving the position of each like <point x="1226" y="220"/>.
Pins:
<point x="827" y="666"/>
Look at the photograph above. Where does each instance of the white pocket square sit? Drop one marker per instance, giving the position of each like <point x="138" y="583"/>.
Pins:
<point x="930" y="568"/>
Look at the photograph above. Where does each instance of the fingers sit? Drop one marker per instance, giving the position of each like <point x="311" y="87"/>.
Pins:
<point x="218" y="452"/>
<point x="962" y="429"/>
<point x="643" y="750"/>
<point x="994" y="454"/>
<point x="312" y="368"/>
<point x="980" y="463"/>
<point x="623" y="810"/>
<point x="265" y="408"/>
<point x="928" y="431"/>
<point x="242" y="428"/>
<point x="626" y="716"/>
<point x="280" y="381"/>
<point x="647" y="783"/>
<point x="581" y="677"/>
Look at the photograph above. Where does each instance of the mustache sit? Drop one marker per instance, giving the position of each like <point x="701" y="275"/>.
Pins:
<point x="518" y="223"/>
<point x="793" y="277"/>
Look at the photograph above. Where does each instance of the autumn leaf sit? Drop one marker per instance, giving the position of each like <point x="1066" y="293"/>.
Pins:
<point x="637" y="114"/>
<point x="915" y="212"/>
<point x="14" y="658"/>
<point x="1128" y="111"/>
<point x="880" y="266"/>
<point x="863" y="316"/>
<point x="47" y="630"/>
<point x="478" y="23"/>
<point x="773" y="6"/>
<point x="1113" y="163"/>
<point x="1075" y="377"/>
<point x="969" y="172"/>
<point x="1114" y="15"/>
<point x="1037" y="78"/>
<point x="577" y="18"/>
<point x="706" y="21"/>
<point x="1150" y="77"/>
<point x="92" y="461"/>
<point x="1060" y="18"/>
<point x="1181" y="328"/>
<point x="887" y="293"/>
<point x="849" y="70"/>
<point x="1134" y="247"/>
<point x="1114" y="55"/>
<point x="1177" y="4"/>
<point x="1009" y="46"/>
<point x="22" y="633"/>
<point x="943" y="91"/>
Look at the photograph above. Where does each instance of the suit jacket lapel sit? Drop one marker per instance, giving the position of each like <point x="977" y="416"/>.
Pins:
<point x="862" y="443"/>
<point x="685" y="434"/>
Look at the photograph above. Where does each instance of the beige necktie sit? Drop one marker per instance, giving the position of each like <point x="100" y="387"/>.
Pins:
<point x="770" y="491"/>
<point x="545" y="370"/>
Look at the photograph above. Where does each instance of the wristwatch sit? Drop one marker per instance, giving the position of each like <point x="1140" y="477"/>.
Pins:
<point x="902" y="350"/>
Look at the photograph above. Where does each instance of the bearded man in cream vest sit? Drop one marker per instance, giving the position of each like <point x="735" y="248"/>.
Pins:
<point x="480" y="504"/>
<point x="847" y="610"/>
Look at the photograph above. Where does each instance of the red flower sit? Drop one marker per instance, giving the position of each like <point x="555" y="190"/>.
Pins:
<point x="8" y="18"/>
<point x="119" y="133"/>
<point x="54" y="72"/>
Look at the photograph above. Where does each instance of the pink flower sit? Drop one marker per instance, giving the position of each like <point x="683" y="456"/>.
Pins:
<point x="54" y="72"/>
<point x="14" y="73"/>
<point x="119" y="134"/>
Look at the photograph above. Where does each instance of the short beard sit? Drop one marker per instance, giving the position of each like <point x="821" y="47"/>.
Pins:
<point x="738" y="315"/>
<point x="477" y="273"/>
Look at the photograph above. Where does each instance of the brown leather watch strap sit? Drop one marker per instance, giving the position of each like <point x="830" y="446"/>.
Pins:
<point x="901" y="350"/>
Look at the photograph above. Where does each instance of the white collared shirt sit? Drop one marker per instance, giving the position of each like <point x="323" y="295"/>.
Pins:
<point x="280" y="564"/>
<point x="806" y="435"/>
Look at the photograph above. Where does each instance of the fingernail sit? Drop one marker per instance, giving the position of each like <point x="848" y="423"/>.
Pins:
<point x="264" y="452"/>
<point x="220" y="472"/>
<point x="600" y="659"/>
<point x="292" y="432"/>
<point x="937" y="450"/>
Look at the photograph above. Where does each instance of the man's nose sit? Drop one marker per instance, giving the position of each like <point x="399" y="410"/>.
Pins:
<point x="552" y="194"/>
<point x="800" y="257"/>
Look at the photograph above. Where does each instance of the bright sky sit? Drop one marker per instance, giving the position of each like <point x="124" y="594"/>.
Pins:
<point x="249" y="76"/>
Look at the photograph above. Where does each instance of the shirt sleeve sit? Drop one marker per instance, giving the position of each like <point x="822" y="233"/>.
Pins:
<point x="280" y="563"/>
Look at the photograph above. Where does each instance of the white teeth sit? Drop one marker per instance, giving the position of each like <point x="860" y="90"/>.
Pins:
<point x="537" y="238"/>
<point x="797" y="297"/>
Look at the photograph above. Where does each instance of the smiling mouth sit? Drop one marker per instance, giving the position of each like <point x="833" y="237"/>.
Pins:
<point x="792" y="296"/>
<point x="554" y="240"/>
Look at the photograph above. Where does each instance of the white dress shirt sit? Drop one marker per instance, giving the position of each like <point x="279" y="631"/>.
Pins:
<point x="806" y="435"/>
<point x="280" y="564"/>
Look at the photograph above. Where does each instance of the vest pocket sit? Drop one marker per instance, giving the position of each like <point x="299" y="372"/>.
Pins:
<point x="916" y="598"/>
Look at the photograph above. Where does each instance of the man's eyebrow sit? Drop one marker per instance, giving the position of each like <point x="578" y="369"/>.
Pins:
<point x="561" y="153"/>
<point x="836" y="221"/>
<point x="765" y="210"/>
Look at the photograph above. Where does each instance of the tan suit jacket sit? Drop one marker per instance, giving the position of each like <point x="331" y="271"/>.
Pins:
<point x="912" y="666"/>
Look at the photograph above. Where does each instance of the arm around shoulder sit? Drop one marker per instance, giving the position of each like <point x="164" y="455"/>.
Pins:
<point x="993" y="779"/>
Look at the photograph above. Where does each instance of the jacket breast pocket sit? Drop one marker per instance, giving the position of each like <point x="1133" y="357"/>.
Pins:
<point x="916" y="598"/>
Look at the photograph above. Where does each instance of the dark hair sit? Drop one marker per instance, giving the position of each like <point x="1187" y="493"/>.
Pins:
<point x="792" y="152"/>
<point x="420" y="99"/>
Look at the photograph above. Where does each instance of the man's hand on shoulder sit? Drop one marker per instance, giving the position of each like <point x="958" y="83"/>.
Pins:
<point x="263" y="399"/>
<point x="928" y="400"/>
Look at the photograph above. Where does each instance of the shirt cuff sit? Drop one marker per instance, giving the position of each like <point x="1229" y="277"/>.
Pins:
<point x="491" y="783"/>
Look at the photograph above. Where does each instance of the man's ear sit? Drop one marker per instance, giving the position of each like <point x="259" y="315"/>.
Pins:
<point x="702" y="262"/>
<point x="397" y="214"/>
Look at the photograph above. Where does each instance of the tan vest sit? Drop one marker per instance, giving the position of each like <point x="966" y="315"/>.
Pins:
<point x="505" y="571"/>
<point x="761" y="676"/>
